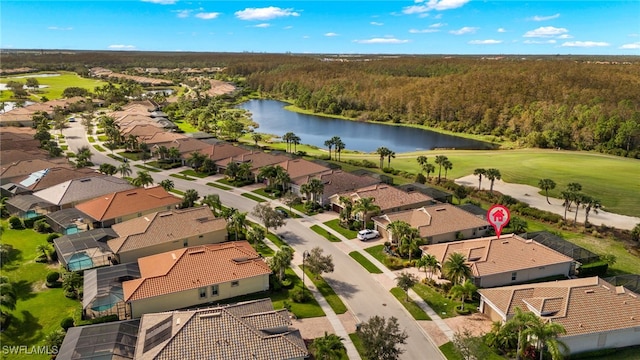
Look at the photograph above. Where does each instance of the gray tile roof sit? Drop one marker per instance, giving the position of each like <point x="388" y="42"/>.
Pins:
<point x="77" y="190"/>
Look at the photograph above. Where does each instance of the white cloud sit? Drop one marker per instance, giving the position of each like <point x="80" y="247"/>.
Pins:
<point x="183" y="13"/>
<point x="288" y="27"/>
<point x="207" y="16"/>
<point x="423" y="31"/>
<point x="551" y="41"/>
<point x="635" y="45"/>
<point x="434" y="5"/>
<point x="546" y="31"/>
<point x="501" y="30"/>
<point x="263" y="25"/>
<point x="122" y="47"/>
<point x="331" y="34"/>
<point x="464" y="30"/>
<point x="585" y="44"/>
<point x="485" y="42"/>
<point x="60" y="28"/>
<point x="386" y="40"/>
<point x="161" y="2"/>
<point x="375" y="23"/>
<point x="437" y="25"/>
<point x="565" y="36"/>
<point x="267" y="13"/>
<point x="545" y="18"/>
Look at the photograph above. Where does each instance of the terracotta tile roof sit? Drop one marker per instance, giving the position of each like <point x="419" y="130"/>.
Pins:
<point x="185" y="145"/>
<point x="130" y="201"/>
<point x="142" y="131"/>
<point x="435" y="220"/>
<point x="25" y="167"/>
<point x="12" y="155"/>
<point x="301" y="167"/>
<point x="582" y="306"/>
<point x="387" y="196"/>
<point x="220" y="333"/>
<point x="81" y="189"/>
<point x="258" y="159"/>
<point x="338" y="181"/>
<point x="57" y="175"/>
<point x="164" y="139"/>
<point x="221" y="151"/>
<point x="491" y="255"/>
<point x="18" y="138"/>
<point x="194" y="267"/>
<point x="129" y="120"/>
<point x="163" y="227"/>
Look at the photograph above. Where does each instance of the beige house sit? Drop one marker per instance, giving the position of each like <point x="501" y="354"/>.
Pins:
<point x="387" y="197"/>
<point x="595" y="314"/>
<point x="248" y="330"/>
<point x="334" y="181"/>
<point x="114" y="208"/>
<point x="508" y="260"/>
<point x="436" y="223"/>
<point x="166" y="231"/>
<point x="195" y="276"/>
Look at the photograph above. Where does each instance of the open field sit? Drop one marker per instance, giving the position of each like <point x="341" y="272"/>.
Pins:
<point x="55" y="85"/>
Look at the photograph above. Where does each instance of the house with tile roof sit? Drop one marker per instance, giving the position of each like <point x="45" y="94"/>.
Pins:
<point x="435" y="223"/>
<point x="15" y="172"/>
<point x="196" y="276"/>
<point x="334" y="181"/>
<point x="257" y="159"/>
<point x="19" y="138"/>
<point x="27" y="206"/>
<point x="222" y="150"/>
<point x="141" y="131"/>
<point x="11" y="155"/>
<point x="23" y="116"/>
<point x="504" y="261"/>
<point x="387" y="197"/>
<point x="46" y="178"/>
<point x="300" y="167"/>
<point x="72" y="192"/>
<point x="248" y="330"/>
<point x="116" y="207"/>
<point x="166" y="231"/>
<point x="596" y="314"/>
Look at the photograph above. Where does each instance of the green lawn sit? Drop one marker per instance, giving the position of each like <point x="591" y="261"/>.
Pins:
<point x="327" y="292"/>
<point x="441" y="304"/>
<point x="377" y="252"/>
<point x="185" y="126"/>
<point x="368" y="265"/>
<point x="275" y="239"/>
<point x="183" y="177"/>
<point x="176" y="191"/>
<point x="253" y="197"/>
<point x="91" y="139"/>
<point x="262" y="192"/>
<point x="39" y="309"/>
<point x="147" y="168"/>
<point x="413" y="309"/>
<point x="629" y="353"/>
<point x="194" y="173"/>
<point x="324" y="233"/>
<point x="219" y="186"/>
<point x="292" y="214"/>
<point x="99" y="148"/>
<point x="55" y="84"/>
<point x="335" y="225"/>
<point x="357" y="342"/>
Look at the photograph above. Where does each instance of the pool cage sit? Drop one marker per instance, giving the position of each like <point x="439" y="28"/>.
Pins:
<point x="103" y="292"/>
<point x="555" y="242"/>
<point x="85" y="250"/>
<point x="629" y="281"/>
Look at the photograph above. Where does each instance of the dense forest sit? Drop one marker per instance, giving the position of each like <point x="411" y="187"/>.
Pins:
<point x="548" y="102"/>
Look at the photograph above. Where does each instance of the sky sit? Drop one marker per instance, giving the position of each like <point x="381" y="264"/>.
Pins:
<point x="332" y="26"/>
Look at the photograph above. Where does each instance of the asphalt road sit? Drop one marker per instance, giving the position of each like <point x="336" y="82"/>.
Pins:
<point x="364" y="295"/>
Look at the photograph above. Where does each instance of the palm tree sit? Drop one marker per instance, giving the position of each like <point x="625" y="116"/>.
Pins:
<point x="463" y="291"/>
<point x="518" y="225"/>
<point x="107" y="169"/>
<point x="167" y="184"/>
<point x="314" y="187"/>
<point x="383" y="152"/>
<point x="479" y="172"/>
<point x="255" y="233"/>
<point x="295" y="140"/>
<point x="162" y="152"/>
<point x="410" y="242"/>
<point x="196" y="159"/>
<point x="430" y="262"/>
<point x="567" y="196"/>
<point x="546" y="185"/>
<point x="391" y="154"/>
<point x="281" y="260"/>
<point x="329" y="143"/>
<point x="422" y="161"/>
<point x="213" y="202"/>
<point x="268" y="172"/>
<point x="288" y="137"/>
<point x="429" y="168"/>
<point x="493" y="175"/>
<point x="440" y="160"/>
<point x="124" y="169"/>
<point x="8" y="299"/>
<point x="83" y="157"/>
<point x="281" y="178"/>
<point x="518" y="324"/>
<point x="143" y="179"/>
<point x="189" y="199"/>
<point x="238" y="222"/>
<point x="456" y="268"/>
<point x="340" y="145"/>
<point x="590" y="203"/>
<point x="44" y="250"/>
<point x="365" y="206"/>
<point x="545" y="334"/>
<point x="173" y="154"/>
<point x="579" y="199"/>
<point x="448" y="165"/>
<point x="347" y="208"/>
<point x="328" y="347"/>
<point x="132" y="142"/>
<point x="244" y="171"/>
<point x="397" y="230"/>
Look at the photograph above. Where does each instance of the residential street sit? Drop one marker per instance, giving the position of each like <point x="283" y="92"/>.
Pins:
<point x="362" y="293"/>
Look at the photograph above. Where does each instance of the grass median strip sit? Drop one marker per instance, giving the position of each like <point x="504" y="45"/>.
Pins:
<point x="193" y="173"/>
<point x="368" y="265"/>
<point x="183" y="177"/>
<point x="219" y="186"/>
<point x="175" y="191"/>
<point x="413" y="308"/>
<point x="322" y="232"/>
<point x="327" y="292"/>
<point x="253" y="197"/>
<point x="275" y="240"/>
<point x="147" y="168"/>
<point x="99" y="148"/>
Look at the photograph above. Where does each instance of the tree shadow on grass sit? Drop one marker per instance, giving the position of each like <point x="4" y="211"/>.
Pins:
<point x="23" y="290"/>
<point x="24" y="331"/>
<point x="342" y="288"/>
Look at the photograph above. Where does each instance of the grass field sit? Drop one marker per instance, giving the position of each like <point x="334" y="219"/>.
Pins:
<point x="55" y="85"/>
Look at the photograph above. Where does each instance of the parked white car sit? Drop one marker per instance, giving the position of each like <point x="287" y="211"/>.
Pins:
<point x="367" y="234"/>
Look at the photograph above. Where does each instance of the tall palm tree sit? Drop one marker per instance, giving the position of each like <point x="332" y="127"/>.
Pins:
<point x="189" y="199"/>
<point x="282" y="178"/>
<point x="213" y="202"/>
<point x="480" y="172"/>
<point x="143" y="179"/>
<point x="440" y="160"/>
<point x="196" y="159"/>
<point x="518" y="324"/>
<point x="448" y="165"/>
<point x="124" y="169"/>
<point x="365" y="206"/>
<point x="244" y="171"/>
<point x="281" y="260"/>
<point x="288" y="137"/>
<point x="463" y="291"/>
<point x="410" y="242"/>
<point x="429" y="168"/>
<point x="329" y="143"/>
<point x="579" y="199"/>
<point x="238" y="222"/>
<point x="383" y="152"/>
<point x="340" y="145"/>
<point x="295" y="140"/>
<point x="545" y="335"/>
<point x="162" y="152"/>
<point x="397" y="230"/>
<point x="546" y="185"/>
<point x="590" y="203"/>
<point x="167" y="184"/>
<point x="493" y="175"/>
<point x="347" y="208"/>
<point x="568" y="197"/>
<point x="422" y="161"/>
<point x="456" y="269"/>
<point x="173" y="154"/>
<point x="268" y="172"/>
<point x="391" y="154"/>
<point x="315" y="188"/>
<point x="328" y="347"/>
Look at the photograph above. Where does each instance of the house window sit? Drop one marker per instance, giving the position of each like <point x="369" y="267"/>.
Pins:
<point x="214" y="290"/>
<point x="185" y="242"/>
<point x="235" y="283"/>
<point x="514" y="275"/>
<point x="203" y="293"/>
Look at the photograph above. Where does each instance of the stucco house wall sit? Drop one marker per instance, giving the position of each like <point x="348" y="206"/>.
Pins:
<point x="507" y="278"/>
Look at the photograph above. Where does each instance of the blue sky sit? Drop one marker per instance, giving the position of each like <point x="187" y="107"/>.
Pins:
<point x="333" y="26"/>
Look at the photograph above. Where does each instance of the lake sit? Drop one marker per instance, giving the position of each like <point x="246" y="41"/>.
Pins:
<point x="359" y="136"/>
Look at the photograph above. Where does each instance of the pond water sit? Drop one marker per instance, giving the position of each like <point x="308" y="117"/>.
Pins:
<point x="10" y="105"/>
<point x="359" y="136"/>
<point x="34" y="76"/>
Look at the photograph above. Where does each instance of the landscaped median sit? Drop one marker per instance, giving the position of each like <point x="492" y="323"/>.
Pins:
<point x="324" y="233"/>
<point x="362" y="260"/>
<point x="219" y="186"/>
<point x="327" y="292"/>
<point x="253" y="197"/>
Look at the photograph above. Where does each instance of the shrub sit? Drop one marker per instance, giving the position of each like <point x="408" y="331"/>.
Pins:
<point x="598" y="268"/>
<point x="104" y="319"/>
<point x="421" y="179"/>
<point x="52" y="278"/>
<point x="300" y="295"/>
<point x="15" y="223"/>
<point x="52" y="237"/>
<point x="41" y="226"/>
<point x="66" y="323"/>
<point x="287" y="283"/>
<point x="393" y="263"/>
